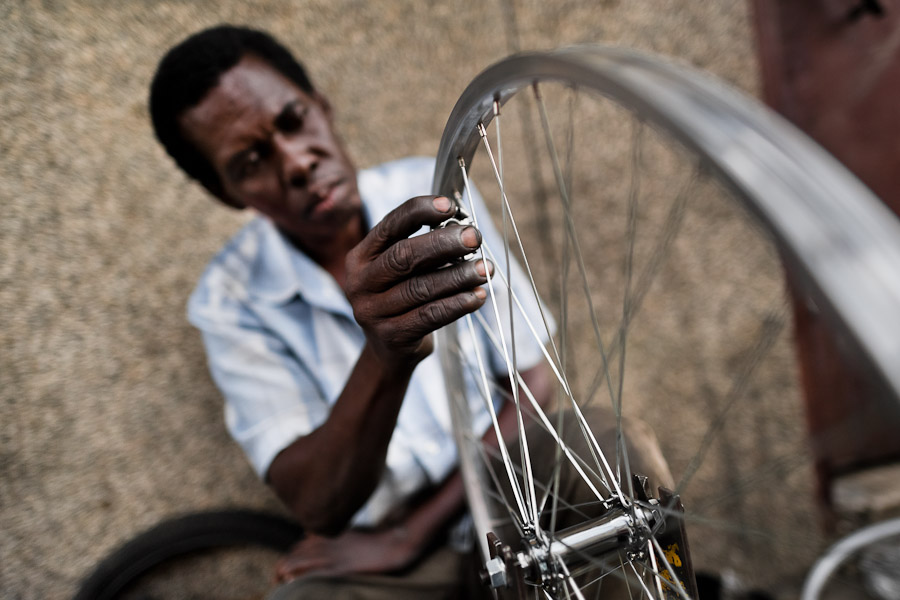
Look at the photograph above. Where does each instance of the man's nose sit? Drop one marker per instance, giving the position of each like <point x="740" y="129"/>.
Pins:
<point x="298" y="160"/>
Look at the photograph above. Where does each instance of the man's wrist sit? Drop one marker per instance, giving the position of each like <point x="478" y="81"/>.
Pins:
<point x="393" y="364"/>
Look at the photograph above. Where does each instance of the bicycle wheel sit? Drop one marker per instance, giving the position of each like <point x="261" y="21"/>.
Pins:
<point x="659" y="227"/>
<point x="220" y="554"/>
<point x="873" y="552"/>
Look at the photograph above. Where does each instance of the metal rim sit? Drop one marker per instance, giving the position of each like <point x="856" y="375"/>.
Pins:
<point x="826" y="566"/>
<point x="841" y="242"/>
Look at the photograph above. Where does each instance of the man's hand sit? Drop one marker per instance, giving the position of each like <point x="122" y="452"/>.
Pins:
<point x="351" y="552"/>
<point x="399" y="294"/>
<point x="396" y="285"/>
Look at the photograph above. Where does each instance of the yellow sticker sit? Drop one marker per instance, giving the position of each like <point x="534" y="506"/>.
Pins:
<point x="672" y="555"/>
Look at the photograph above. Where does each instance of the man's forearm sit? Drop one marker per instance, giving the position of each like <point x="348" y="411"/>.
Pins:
<point x="326" y="476"/>
<point x="398" y="546"/>
<point x="399" y="295"/>
<point x="429" y="520"/>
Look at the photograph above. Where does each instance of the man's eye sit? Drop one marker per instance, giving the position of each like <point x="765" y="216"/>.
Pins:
<point x="291" y="119"/>
<point x="249" y="164"/>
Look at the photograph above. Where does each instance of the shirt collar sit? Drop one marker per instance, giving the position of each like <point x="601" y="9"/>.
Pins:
<point x="280" y="271"/>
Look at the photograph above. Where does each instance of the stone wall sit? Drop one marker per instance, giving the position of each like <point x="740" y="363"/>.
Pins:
<point x="108" y="419"/>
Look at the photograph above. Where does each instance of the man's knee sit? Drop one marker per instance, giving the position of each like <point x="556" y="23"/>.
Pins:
<point x="642" y="449"/>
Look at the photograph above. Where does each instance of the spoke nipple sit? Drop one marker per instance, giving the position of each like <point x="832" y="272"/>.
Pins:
<point x="497" y="107"/>
<point x="481" y="130"/>
<point x="461" y="161"/>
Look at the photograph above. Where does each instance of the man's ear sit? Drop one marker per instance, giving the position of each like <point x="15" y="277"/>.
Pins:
<point x="224" y="198"/>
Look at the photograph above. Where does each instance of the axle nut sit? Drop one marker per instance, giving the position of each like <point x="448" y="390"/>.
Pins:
<point x="496" y="572"/>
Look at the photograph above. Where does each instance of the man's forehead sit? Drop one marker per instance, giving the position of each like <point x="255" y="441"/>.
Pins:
<point x="249" y="94"/>
<point x="253" y="80"/>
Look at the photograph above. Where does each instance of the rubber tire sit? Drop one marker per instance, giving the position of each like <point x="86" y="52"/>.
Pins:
<point x="182" y="535"/>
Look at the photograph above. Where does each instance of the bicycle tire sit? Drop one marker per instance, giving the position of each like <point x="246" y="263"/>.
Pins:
<point x="845" y="549"/>
<point x="835" y="238"/>
<point x="176" y="537"/>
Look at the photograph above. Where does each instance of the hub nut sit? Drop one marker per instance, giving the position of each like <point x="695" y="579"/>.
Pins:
<point x="495" y="572"/>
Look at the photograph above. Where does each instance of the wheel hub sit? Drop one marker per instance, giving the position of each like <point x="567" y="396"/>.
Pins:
<point x="548" y="562"/>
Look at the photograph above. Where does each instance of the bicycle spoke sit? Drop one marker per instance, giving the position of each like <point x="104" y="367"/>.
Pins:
<point x="508" y="212"/>
<point x="630" y="300"/>
<point x="774" y="471"/>
<point x="500" y="494"/>
<point x="564" y="305"/>
<point x="631" y="234"/>
<point x="570" y="581"/>
<point x="595" y="448"/>
<point x="640" y="580"/>
<point x="665" y="238"/>
<point x="582" y="422"/>
<point x="545" y="421"/>
<point x="606" y="574"/>
<point x="772" y="326"/>
<point x="557" y="372"/>
<point x="529" y="508"/>
<point x="661" y="555"/>
<point x="627" y="583"/>
<point x="491" y="455"/>
<point x="654" y="568"/>
<point x="570" y="227"/>
<point x="514" y="366"/>
<point x="560" y="375"/>
<point x="497" y="492"/>
<point x="507" y="463"/>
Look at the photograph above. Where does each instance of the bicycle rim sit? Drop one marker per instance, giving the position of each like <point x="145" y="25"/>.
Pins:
<point x="659" y="226"/>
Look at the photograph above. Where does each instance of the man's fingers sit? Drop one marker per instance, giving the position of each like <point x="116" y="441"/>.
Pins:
<point x="395" y="283"/>
<point x="420" y="254"/>
<point x="420" y="290"/>
<point x="405" y="220"/>
<point x="293" y="566"/>
<point x="419" y="322"/>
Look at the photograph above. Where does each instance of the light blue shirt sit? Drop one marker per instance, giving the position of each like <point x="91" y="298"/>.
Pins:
<point x="281" y="342"/>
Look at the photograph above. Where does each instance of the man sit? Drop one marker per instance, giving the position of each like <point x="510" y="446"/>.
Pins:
<point x="314" y="397"/>
<point x="317" y="318"/>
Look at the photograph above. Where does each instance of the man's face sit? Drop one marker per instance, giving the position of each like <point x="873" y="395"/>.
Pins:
<point x="274" y="149"/>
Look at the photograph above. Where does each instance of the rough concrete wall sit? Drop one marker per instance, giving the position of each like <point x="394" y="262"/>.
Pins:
<point x="108" y="418"/>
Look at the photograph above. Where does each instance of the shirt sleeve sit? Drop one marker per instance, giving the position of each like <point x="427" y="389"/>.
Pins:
<point x="270" y="397"/>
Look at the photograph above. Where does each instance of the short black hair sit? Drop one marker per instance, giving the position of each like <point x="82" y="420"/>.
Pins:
<point x="191" y="69"/>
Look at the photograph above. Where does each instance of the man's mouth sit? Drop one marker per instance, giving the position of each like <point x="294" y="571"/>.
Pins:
<point x="323" y="198"/>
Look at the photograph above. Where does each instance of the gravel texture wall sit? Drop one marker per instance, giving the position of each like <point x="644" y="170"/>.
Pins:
<point x="108" y="418"/>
